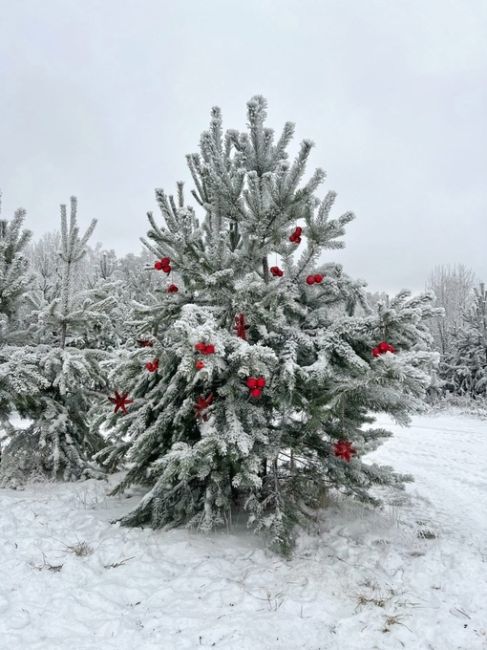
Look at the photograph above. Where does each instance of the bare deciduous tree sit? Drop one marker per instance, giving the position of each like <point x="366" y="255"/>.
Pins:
<point x="452" y="286"/>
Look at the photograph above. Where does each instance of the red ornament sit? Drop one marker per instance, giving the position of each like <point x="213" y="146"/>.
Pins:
<point x="296" y="235"/>
<point x="241" y="327"/>
<point x="310" y="279"/>
<point x="163" y="265"/>
<point x="344" y="450"/>
<point x="382" y="348"/>
<point x="202" y="403"/>
<point x="120" y="401"/>
<point x="256" y="385"/>
<point x="145" y="343"/>
<point x="152" y="366"/>
<point x="205" y="348"/>
<point x="172" y="288"/>
<point x="318" y="278"/>
<point x="276" y="271"/>
<point x="199" y="365"/>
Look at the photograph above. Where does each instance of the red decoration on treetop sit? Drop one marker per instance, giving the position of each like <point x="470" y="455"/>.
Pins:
<point x="172" y="288"/>
<point x="276" y="271"/>
<point x="241" y="327"/>
<point x="344" y="450"/>
<point x="382" y="348"/>
<point x="296" y="235"/>
<point x="199" y="365"/>
<point x="120" y="401"/>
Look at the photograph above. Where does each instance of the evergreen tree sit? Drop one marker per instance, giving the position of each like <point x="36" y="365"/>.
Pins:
<point x="14" y="273"/>
<point x="15" y="280"/>
<point x="65" y="378"/>
<point x="259" y="364"/>
<point x="465" y="369"/>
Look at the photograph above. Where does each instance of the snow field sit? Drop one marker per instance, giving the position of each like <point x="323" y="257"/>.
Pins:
<point x="412" y="575"/>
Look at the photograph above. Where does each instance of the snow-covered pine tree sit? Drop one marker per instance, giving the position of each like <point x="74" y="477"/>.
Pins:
<point x="103" y="306"/>
<point x="66" y="378"/>
<point x="464" y="370"/>
<point x="14" y="274"/>
<point x="260" y="365"/>
<point x="15" y="280"/>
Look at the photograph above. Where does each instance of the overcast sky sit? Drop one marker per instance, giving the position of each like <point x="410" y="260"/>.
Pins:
<point x="102" y="99"/>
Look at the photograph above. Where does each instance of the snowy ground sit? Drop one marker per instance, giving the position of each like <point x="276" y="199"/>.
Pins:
<point x="412" y="576"/>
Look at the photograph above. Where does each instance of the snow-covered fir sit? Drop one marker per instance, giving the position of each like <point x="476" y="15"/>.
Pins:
<point x="465" y="366"/>
<point x="262" y="363"/>
<point x="62" y="375"/>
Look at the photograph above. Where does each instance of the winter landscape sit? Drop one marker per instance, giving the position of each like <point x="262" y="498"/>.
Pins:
<point x="238" y="411"/>
<point x="413" y="575"/>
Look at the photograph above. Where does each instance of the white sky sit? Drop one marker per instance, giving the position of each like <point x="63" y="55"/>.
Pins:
<point x="102" y="99"/>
